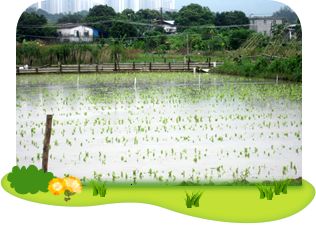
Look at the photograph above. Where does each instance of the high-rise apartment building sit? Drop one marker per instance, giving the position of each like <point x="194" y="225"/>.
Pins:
<point x="31" y="3"/>
<point x="68" y="6"/>
<point x="48" y="5"/>
<point x="18" y="5"/>
<point x="167" y="5"/>
<point x="115" y="4"/>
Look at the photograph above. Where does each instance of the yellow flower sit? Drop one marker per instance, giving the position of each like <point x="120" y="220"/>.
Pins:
<point x="57" y="186"/>
<point x="73" y="184"/>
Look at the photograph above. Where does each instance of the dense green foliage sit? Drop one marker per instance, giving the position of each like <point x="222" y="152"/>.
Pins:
<point x="118" y="30"/>
<point x="28" y="19"/>
<point x="152" y="38"/>
<point x="71" y="18"/>
<point x="51" y="18"/>
<point x="238" y="37"/>
<point x="67" y="53"/>
<point x="230" y="18"/>
<point x="298" y="29"/>
<point x="194" y="15"/>
<point x="290" y="68"/>
<point x="30" y="180"/>
<point x="101" y="13"/>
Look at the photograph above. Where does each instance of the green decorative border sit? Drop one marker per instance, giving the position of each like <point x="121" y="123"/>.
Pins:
<point x="18" y="211"/>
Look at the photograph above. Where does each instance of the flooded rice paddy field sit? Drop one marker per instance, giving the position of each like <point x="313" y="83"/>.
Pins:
<point x="161" y="127"/>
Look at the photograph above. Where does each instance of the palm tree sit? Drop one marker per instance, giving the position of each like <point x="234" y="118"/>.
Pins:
<point x="117" y="48"/>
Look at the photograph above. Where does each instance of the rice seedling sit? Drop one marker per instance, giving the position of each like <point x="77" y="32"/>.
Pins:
<point x="97" y="176"/>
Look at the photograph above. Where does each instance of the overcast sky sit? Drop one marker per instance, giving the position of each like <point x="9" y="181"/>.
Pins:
<point x="258" y="7"/>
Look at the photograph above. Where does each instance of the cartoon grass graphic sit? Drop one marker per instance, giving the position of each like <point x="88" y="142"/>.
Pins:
<point x="278" y="188"/>
<point x="193" y="200"/>
<point x="98" y="188"/>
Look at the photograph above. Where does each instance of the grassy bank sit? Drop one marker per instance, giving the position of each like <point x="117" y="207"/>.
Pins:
<point x="263" y="67"/>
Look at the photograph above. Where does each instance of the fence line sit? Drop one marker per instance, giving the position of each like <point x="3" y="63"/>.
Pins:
<point x="120" y="67"/>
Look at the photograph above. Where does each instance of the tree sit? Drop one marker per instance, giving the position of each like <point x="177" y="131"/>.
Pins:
<point x="160" y="29"/>
<point x="193" y="15"/>
<point x="127" y="12"/>
<point x="142" y="29"/>
<point x="154" y="39"/>
<point x="75" y="18"/>
<point x="170" y="15"/>
<point x="287" y="13"/>
<point x="120" y="29"/>
<point x="231" y="18"/>
<point x="238" y="37"/>
<point x="51" y="18"/>
<point x="84" y="13"/>
<point x="29" y="19"/>
<point x="117" y="48"/>
<point x="298" y="29"/>
<point x="148" y="14"/>
<point x="101" y="13"/>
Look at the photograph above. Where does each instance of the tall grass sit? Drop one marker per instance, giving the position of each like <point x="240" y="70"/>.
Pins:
<point x="288" y="68"/>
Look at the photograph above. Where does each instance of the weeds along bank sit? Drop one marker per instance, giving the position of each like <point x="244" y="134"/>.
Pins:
<point x="71" y="53"/>
<point x="33" y="54"/>
<point x="285" y="68"/>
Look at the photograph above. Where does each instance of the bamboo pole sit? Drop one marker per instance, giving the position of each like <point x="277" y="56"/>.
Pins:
<point x="49" y="119"/>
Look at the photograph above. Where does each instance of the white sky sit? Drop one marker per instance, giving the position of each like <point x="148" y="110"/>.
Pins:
<point x="258" y="7"/>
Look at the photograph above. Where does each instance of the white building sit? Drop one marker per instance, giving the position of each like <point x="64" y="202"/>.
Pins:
<point x="168" y="25"/>
<point x="71" y="33"/>
<point x="264" y="24"/>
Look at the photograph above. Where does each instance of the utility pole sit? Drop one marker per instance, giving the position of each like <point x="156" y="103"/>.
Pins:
<point x="187" y="44"/>
<point x="161" y="16"/>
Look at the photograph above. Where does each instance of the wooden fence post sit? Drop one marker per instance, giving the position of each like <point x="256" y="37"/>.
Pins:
<point x="61" y="68"/>
<point x="169" y="66"/>
<point x="133" y="66"/>
<point x="97" y="68"/>
<point x="189" y="65"/>
<point x="18" y="70"/>
<point x="150" y="66"/>
<point x="36" y="70"/>
<point x="49" y="119"/>
<point x="115" y="67"/>
<point x="79" y="68"/>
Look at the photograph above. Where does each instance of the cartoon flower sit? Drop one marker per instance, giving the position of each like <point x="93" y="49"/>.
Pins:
<point x="57" y="186"/>
<point x="73" y="184"/>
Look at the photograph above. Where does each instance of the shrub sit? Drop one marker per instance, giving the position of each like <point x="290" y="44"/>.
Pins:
<point x="30" y="180"/>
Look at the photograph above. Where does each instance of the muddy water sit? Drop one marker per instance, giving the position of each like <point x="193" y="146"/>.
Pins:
<point x="258" y="124"/>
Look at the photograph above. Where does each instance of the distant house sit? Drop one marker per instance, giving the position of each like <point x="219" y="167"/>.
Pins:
<point x="264" y="24"/>
<point x="291" y="31"/>
<point x="76" y="33"/>
<point x="168" y="25"/>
